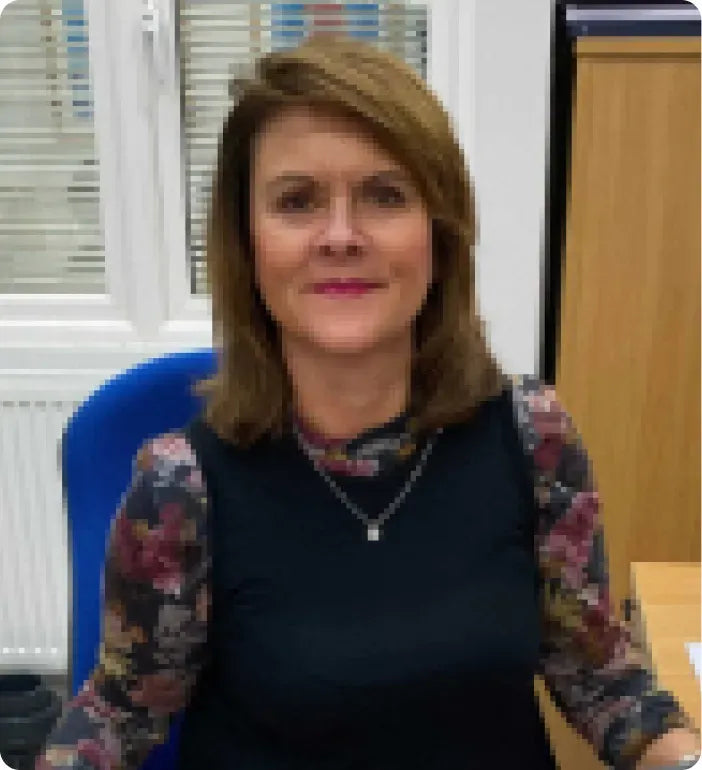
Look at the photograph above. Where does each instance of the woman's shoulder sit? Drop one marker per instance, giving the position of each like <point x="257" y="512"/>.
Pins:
<point x="539" y="412"/>
<point x="167" y="455"/>
<point x="549" y="437"/>
<point x="167" y="469"/>
<point x="534" y="392"/>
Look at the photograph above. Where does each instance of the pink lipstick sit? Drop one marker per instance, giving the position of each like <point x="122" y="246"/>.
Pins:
<point x="345" y="288"/>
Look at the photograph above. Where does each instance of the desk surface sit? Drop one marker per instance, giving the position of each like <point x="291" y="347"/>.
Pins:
<point x="668" y="614"/>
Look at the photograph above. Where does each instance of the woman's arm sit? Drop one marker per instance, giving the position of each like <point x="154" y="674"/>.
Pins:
<point x="156" y="600"/>
<point x="594" y="671"/>
<point x="666" y="752"/>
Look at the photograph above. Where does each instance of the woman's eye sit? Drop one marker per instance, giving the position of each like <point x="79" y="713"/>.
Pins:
<point x="294" y="202"/>
<point x="388" y="196"/>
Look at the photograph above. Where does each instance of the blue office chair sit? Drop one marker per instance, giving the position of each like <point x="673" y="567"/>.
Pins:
<point x="97" y="450"/>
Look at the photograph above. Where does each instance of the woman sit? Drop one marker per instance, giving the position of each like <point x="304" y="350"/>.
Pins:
<point x="368" y="543"/>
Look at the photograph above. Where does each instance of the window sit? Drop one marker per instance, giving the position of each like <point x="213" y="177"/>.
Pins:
<point x="108" y="151"/>
<point x="51" y="237"/>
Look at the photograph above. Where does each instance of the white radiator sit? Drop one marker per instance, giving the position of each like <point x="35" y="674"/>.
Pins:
<point x="33" y="536"/>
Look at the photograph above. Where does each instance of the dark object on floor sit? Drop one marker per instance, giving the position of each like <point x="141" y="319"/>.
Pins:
<point x="28" y="711"/>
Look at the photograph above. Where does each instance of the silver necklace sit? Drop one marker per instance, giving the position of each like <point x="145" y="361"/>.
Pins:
<point x="372" y="527"/>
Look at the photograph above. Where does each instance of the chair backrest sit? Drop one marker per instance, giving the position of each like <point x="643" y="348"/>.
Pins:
<point x="98" y="448"/>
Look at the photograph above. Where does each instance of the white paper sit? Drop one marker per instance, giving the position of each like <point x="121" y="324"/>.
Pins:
<point x="694" y="650"/>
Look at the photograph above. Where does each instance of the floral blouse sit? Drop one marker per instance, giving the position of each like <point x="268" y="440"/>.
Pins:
<point x="156" y="602"/>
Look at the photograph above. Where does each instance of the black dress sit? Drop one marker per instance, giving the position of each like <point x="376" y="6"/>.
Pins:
<point x="330" y="651"/>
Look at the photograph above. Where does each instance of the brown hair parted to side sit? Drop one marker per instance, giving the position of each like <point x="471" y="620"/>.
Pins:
<point x="453" y="370"/>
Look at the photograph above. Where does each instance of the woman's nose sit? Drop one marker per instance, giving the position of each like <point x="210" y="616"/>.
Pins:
<point x="340" y="233"/>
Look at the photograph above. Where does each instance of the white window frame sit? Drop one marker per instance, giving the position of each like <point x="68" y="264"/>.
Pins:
<point x="148" y="309"/>
<point x="26" y="318"/>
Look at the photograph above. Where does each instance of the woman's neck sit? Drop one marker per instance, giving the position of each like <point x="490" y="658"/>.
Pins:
<point x="342" y="397"/>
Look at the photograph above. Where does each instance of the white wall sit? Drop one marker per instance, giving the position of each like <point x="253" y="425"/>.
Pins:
<point x="503" y="119"/>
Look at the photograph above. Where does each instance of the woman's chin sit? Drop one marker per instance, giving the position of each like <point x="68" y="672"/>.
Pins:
<point x="348" y="337"/>
<point x="346" y="342"/>
<point x="345" y="347"/>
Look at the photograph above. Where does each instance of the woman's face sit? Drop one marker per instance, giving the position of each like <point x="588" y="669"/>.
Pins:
<point x="328" y="204"/>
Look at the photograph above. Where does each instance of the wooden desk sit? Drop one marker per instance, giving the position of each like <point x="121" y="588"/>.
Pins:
<point x="666" y="614"/>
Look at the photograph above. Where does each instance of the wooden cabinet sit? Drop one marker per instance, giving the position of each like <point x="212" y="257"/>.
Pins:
<point x="628" y="359"/>
<point x="628" y="366"/>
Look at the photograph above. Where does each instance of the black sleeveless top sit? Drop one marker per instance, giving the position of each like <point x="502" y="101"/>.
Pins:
<point x="330" y="651"/>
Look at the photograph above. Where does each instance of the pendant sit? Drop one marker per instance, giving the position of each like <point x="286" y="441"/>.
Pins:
<point x="374" y="532"/>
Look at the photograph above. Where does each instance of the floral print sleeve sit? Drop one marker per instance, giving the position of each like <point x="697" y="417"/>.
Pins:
<point x="156" y="606"/>
<point x="593" y="669"/>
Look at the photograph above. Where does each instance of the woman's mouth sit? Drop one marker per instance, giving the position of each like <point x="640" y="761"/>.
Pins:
<point x="345" y="288"/>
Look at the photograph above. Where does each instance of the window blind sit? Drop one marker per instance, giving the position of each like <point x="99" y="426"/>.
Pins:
<point x="51" y="238"/>
<point x="219" y="39"/>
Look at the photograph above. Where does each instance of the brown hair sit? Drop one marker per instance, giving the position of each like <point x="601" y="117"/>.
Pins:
<point x="453" y="370"/>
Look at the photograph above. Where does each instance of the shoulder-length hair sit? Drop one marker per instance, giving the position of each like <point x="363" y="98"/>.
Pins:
<point x="453" y="371"/>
